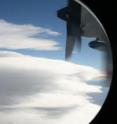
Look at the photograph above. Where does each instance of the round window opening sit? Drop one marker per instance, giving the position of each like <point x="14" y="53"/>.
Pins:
<point x="55" y="62"/>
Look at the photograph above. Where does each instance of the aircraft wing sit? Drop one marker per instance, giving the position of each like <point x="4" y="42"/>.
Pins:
<point x="90" y="26"/>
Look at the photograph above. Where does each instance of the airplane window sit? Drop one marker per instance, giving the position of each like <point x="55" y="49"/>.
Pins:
<point x="55" y="62"/>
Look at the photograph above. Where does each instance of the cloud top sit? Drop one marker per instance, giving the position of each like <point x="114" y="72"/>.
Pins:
<point x="56" y="91"/>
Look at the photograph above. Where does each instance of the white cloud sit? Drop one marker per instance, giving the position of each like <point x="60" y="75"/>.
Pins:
<point x="44" y="91"/>
<point x="9" y="54"/>
<point x="14" y="36"/>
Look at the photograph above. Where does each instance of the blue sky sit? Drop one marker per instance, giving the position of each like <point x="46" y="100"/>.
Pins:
<point x="43" y="13"/>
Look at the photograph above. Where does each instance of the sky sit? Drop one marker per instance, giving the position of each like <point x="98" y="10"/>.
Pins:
<point x="31" y="27"/>
<point x="37" y="85"/>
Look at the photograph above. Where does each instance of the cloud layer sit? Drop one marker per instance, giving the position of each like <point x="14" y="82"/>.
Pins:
<point x="44" y="91"/>
<point x="14" y="36"/>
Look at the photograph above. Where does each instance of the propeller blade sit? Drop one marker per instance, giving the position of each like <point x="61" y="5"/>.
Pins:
<point x="73" y="28"/>
<point x="77" y="33"/>
<point x="70" y="40"/>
